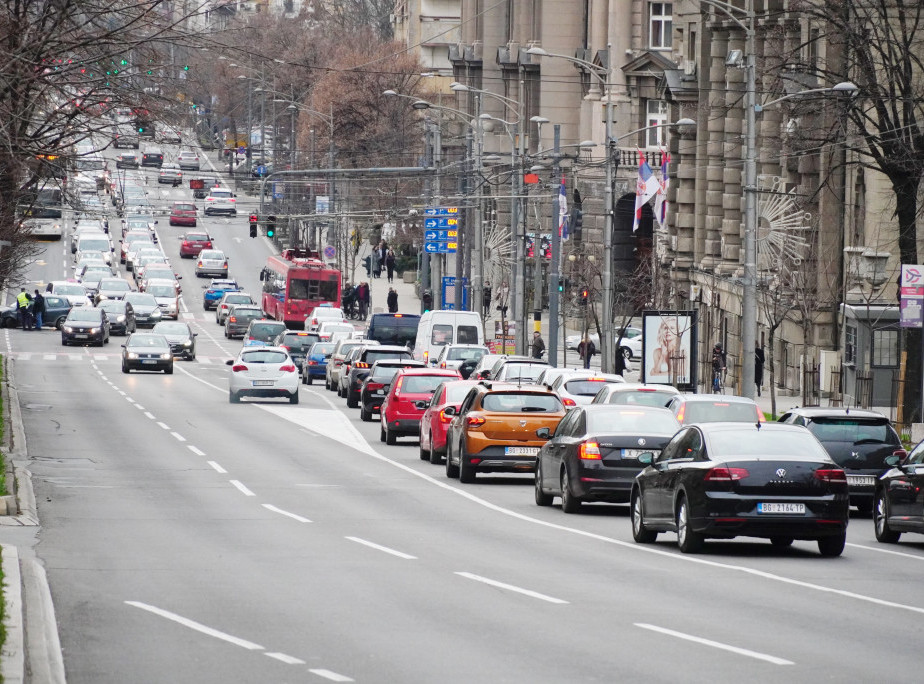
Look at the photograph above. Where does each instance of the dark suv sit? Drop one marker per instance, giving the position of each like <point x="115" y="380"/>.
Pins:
<point x="363" y="361"/>
<point x="859" y="442"/>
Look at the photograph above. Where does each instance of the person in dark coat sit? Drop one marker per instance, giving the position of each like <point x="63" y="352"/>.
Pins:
<point x="390" y="264"/>
<point x="392" y="300"/>
<point x="38" y="309"/>
<point x="363" y="298"/>
<point x="587" y="349"/>
<point x="619" y="367"/>
<point x="759" y="360"/>
<point x="538" y="345"/>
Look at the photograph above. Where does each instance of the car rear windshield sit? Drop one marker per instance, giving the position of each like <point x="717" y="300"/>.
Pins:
<point x="161" y="290"/>
<point x="184" y="207"/>
<point x="456" y="393"/>
<point x="585" y="387"/>
<point x="300" y="342"/>
<point x="384" y="374"/>
<point x="197" y="237"/>
<point x="513" y="402"/>
<point x="237" y="299"/>
<point x="421" y="384"/>
<point x="373" y="355"/>
<point x="642" y="398"/>
<point x="325" y="348"/>
<point x="853" y="430"/>
<point x="93" y="245"/>
<point x="211" y="254"/>
<point x="636" y="422"/>
<point x="263" y="357"/>
<point x="720" y="411"/>
<point x="266" y="331"/>
<point x="246" y="314"/>
<point x="391" y="329"/>
<point x="523" y="372"/>
<point x="463" y="354"/>
<point x="791" y="445"/>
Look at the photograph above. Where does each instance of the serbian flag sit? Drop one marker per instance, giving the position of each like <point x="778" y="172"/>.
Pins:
<point x="661" y="199"/>
<point x="562" y="211"/>
<point x="646" y="187"/>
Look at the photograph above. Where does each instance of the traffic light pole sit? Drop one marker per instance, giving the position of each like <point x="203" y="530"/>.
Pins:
<point x="554" y="267"/>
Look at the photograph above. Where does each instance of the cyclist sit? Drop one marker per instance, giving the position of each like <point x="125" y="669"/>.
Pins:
<point x="719" y="364"/>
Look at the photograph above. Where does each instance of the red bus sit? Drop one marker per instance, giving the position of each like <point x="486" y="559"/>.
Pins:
<point x="294" y="283"/>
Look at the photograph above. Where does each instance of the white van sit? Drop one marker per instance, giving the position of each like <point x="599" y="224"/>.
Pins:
<point x="444" y="326"/>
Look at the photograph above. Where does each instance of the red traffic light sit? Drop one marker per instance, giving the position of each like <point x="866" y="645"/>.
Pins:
<point x="253" y="218"/>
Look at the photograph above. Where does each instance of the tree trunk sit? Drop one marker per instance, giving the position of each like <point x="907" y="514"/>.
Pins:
<point x="906" y="208"/>
<point x="771" y="365"/>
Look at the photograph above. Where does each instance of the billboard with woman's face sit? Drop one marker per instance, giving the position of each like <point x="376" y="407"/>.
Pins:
<point x="668" y="342"/>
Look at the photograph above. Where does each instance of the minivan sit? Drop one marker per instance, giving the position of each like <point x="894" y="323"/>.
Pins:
<point x="393" y="328"/>
<point x="440" y="327"/>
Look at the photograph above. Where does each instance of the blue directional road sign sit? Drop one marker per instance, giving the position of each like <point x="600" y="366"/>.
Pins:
<point x="441" y="222"/>
<point x="431" y="235"/>
<point x="441" y="247"/>
<point x="261" y="170"/>
<point x="441" y="211"/>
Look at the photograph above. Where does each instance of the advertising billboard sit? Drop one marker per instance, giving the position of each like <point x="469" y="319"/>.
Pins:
<point x="668" y="348"/>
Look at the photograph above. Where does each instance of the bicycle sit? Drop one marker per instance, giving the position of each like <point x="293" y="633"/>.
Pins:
<point x="718" y="381"/>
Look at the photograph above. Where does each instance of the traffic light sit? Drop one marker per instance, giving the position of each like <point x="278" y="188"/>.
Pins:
<point x="577" y="217"/>
<point x="561" y="285"/>
<point x="253" y="225"/>
<point x="186" y="68"/>
<point x="270" y="226"/>
<point x="585" y="295"/>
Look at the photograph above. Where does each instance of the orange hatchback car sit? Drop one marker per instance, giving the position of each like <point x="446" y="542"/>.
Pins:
<point x="495" y="429"/>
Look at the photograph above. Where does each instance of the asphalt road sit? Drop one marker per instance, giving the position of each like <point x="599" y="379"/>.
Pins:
<point x="189" y="540"/>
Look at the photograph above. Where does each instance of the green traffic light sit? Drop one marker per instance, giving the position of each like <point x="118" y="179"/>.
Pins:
<point x="123" y="62"/>
<point x="186" y="68"/>
<point x="270" y="232"/>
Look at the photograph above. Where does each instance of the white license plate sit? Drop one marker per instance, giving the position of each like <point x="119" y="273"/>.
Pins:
<point x="263" y="383"/>
<point x="861" y="480"/>
<point x="521" y="451"/>
<point x="787" y="508"/>
<point x="81" y="337"/>
<point x="635" y="453"/>
<point x="149" y="361"/>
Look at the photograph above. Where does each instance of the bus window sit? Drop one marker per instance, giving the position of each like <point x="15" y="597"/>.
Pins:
<point x="315" y="290"/>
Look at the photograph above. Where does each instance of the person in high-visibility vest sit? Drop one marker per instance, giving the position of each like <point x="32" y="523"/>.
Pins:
<point x="22" y="307"/>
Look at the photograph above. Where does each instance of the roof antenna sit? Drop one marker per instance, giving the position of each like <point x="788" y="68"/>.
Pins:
<point x="758" y="425"/>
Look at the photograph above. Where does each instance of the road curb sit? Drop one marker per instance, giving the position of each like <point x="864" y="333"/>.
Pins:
<point x="12" y="659"/>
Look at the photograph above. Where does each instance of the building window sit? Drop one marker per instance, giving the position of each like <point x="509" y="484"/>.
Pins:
<point x="656" y="115"/>
<point x="660" y="23"/>
<point x="885" y="348"/>
<point x="850" y="344"/>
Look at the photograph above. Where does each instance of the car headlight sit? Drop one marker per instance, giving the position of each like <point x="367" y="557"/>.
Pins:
<point x="155" y="313"/>
<point x="166" y="356"/>
<point x="187" y="343"/>
<point x="93" y="331"/>
<point x="67" y="329"/>
<point x="120" y="319"/>
<point x="132" y="355"/>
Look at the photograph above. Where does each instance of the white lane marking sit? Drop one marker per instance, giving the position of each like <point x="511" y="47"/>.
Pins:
<point x="293" y="417"/>
<point x="511" y="587"/>
<point x="129" y="400"/>
<point x="197" y="452"/>
<point x="183" y="305"/>
<point x="199" y="627"/>
<point x="240" y="486"/>
<point x="287" y="659"/>
<point x="332" y="676"/>
<point x="139" y="406"/>
<point x="121" y="392"/>
<point x="888" y="551"/>
<point x="385" y="549"/>
<point x="163" y="425"/>
<point x="178" y="436"/>
<point x="52" y="357"/>
<point x="217" y="467"/>
<point x="294" y="516"/>
<point x="716" y="644"/>
<point x="148" y="414"/>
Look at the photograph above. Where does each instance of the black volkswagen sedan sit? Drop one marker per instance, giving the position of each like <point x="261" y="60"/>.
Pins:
<point x="593" y="455"/>
<point x="85" y="324"/>
<point x="725" y="480"/>
<point x="899" y="499"/>
<point x="147" y="351"/>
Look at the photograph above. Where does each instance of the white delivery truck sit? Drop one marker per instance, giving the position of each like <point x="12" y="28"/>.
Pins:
<point x="440" y="327"/>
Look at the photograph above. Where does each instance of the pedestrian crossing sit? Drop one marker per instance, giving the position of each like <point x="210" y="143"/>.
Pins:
<point x="90" y="356"/>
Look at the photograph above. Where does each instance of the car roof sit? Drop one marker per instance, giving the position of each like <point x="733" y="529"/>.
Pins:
<point x="513" y="387"/>
<point x="603" y="408"/>
<point x="428" y="372"/>
<point x="823" y="412"/>
<point x="709" y="428"/>
<point x="714" y="397"/>
<point x="389" y="347"/>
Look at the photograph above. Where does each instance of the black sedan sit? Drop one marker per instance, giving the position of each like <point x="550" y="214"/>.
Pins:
<point x="899" y="499"/>
<point x="182" y="340"/>
<point x="725" y="480"/>
<point x="121" y="316"/>
<point x="85" y="324"/>
<point x="147" y="351"/>
<point x="594" y="453"/>
<point x="147" y="310"/>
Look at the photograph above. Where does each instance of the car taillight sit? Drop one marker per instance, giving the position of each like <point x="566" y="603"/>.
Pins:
<point x="361" y="364"/>
<point x="444" y="418"/>
<point x="312" y="363"/>
<point x="238" y="367"/>
<point x="589" y="451"/>
<point x="680" y="414"/>
<point x="443" y="365"/>
<point x="474" y="421"/>
<point x="398" y="386"/>
<point x="288" y="368"/>
<point x="723" y="474"/>
<point x="199" y="264"/>
<point x="568" y="402"/>
<point x="185" y="243"/>
<point x="233" y="319"/>
<point x="374" y="385"/>
<point x="831" y="475"/>
<point x="208" y="245"/>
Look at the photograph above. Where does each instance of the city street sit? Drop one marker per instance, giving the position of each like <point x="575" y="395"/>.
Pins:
<point x="189" y="540"/>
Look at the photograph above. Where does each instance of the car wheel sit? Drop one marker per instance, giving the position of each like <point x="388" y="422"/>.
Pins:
<point x="381" y="434"/>
<point x="781" y="542"/>
<point x="304" y="380"/>
<point x="435" y="456"/>
<point x="424" y="453"/>
<point x="364" y="415"/>
<point x="168" y="370"/>
<point x="390" y="437"/>
<point x="351" y="401"/>
<point x="626" y="353"/>
<point x="58" y="323"/>
<point x="569" y="502"/>
<point x="125" y="369"/>
<point x="308" y="379"/>
<point x="688" y="540"/>
<point x="11" y="323"/>
<point x="831" y="547"/>
<point x="640" y="533"/>
<point x="452" y="471"/>
<point x="542" y="499"/>
<point x="293" y="398"/>
<point x="884" y="533"/>
<point x="466" y="470"/>
<point x="233" y="397"/>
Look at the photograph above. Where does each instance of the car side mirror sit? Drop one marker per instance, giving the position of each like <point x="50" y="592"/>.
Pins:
<point x="195" y="334"/>
<point x="123" y="346"/>
<point x="449" y="411"/>
<point x="544" y="433"/>
<point x="421" y="405"/>
<point x="155" y="223"/>
<point x="646" y="459"/>
<point x="229" y="362"/>
<point x="893" y="460"/>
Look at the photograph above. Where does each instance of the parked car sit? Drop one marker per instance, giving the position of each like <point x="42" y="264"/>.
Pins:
<point x="594" y="451"/>
<point x="262" y="372"/>
<point x="314" y="364"/>
<point x="899" y="497"/>
<point x="721" y="480"/>
<point x="147" y="351"/>
<point x="435" y="421"/>
<point x="859" y="441"/>
<point x="85" y="324"/>
<point x="407" y="399"/>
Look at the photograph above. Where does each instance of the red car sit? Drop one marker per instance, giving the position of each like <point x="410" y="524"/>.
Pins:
<point x="193" y="243"/>
<point x="411" y="391"/>
<point x="183" y="214"/>
<point x="434" y="421"/>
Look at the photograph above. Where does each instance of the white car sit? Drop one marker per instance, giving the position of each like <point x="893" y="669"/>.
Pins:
<point x="631" y="343"/>
<point x="44" y="230"/>
<point x="453" y="356"/>
<point x="326" y="329"/>
<point x="72" y="292"/>
<point x="228" y="300"/>
<point x="188" y="160"/>
<point x="580" y="387"/>
<point x="166" y="296"/>
<point x="263" y="372"/>
<point x="221" y="201"/>
<point x="320" y="314"/>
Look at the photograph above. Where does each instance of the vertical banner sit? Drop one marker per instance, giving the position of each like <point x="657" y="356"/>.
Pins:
<point x="668" y="348"/>
<point x="911" y="296"/>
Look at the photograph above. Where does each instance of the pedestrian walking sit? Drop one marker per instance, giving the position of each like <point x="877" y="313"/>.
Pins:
<point x="390" y="264"/>
<point x="759" y="359"/>
<point x="367" y="262"/>
<point x="376" y="264"/>
<point x="587" y="349"/>
<point x="620" y="367"/>
<point x="719" y="366"/>
<point x="503" y="298"/>
<point x="38" y="309"/>
<point x="392" y="300"/>
<point x="538" y="345"/>
<point x="22" y="306"/>
<point x="363" y="297"/>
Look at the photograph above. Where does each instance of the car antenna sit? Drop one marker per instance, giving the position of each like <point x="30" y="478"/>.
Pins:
<point x="758" y="426"/>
